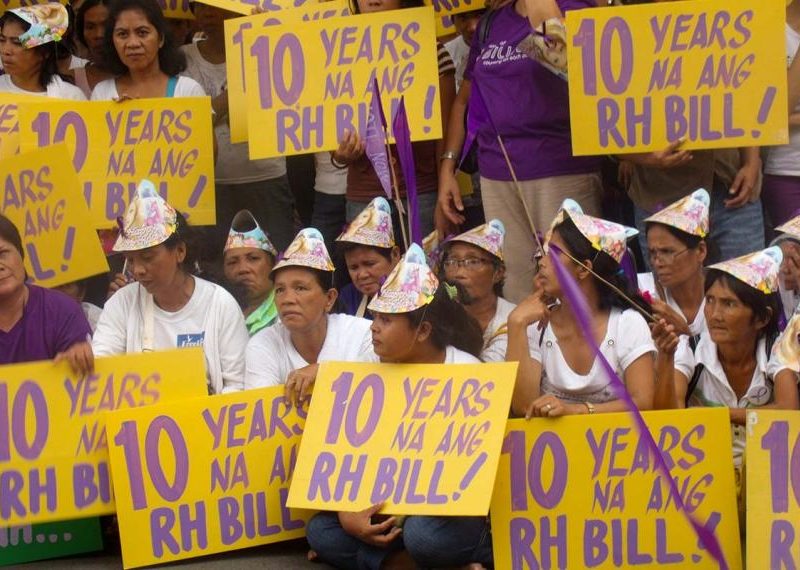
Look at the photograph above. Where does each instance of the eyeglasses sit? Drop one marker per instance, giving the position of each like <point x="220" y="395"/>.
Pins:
<point x="667" y="256"/>
<point x="470" y="263"/>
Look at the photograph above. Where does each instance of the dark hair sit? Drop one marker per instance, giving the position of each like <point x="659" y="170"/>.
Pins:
<point x="185" y="235"/>
<point x="603" y="265"/>
<point x="497" y="264"/>
<point x="450" y="323"/>
<point x="323" y="278"/>
<point x="80" y="17"/>
<point x="691" y="241"/>
<point x="345" y="247"/>
<point x="403" y="4"/>
<point x="48" y="51"/>
<point x="10" y="233"/>
<point x="171" y="59"/>
<point x="757" y="301"/>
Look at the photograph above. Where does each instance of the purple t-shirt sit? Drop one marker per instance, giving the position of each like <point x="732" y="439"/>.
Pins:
<point x="51" y="323"/>
<point x="529" y="104"/>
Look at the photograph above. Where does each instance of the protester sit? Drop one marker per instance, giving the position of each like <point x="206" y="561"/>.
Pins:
<point x="167" y="307"/>
<point x="370" y="254"/>
<point x="529" y="107"/>
<point x="362" y="183"/>
<point x="474" y="261"/>
<point x="29" y="40"/>
<point x="260" y="186"/>
<point x="289" y="351"/>
<point x="416" y="322"/>
<point x="90" y="27"/>
<point x="677" y="251"/>
<point x="77" y="290"/>
<point x="559" y="374"/>
<point x="789" y="279"/>
<point x="247" y="260"/>
<point x="140" y="52"/>
<point x="35" y="323"/>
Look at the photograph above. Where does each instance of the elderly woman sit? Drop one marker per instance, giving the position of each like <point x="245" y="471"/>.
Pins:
<point x="474" y="261"/>
<point x="35" y="323"/>
<point x="28" y="48"/>
<point x="289" y="351"/>
<point x="559" y="373"/>
<point x="370" y="253"/>
<point x="677" y="250"/>
<point x="247" y="260"/>
<point x="168" y="307"/>
<point x="141" y="54"/>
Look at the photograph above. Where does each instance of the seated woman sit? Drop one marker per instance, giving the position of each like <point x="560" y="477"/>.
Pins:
<point x="558" y="373"/>
<point x="247" y="260"/>
<point x="35" y="323"/>
<point x="168" y="307"/>
<point x="288" y="352"/>
<point x="370" y="255"/>
<point x="474" y="260"/>
<point x="416" y="321"/>
<point x="677" y="250"/>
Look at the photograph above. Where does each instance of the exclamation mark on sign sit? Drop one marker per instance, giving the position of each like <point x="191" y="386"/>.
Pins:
<point x="428" y="109"/>
<point x="69" y="243"/>
<point x="198" y="190"/>
<point x="470" y="475"/>
<point x="711" y="528"/>
<point x="766" y="107"/>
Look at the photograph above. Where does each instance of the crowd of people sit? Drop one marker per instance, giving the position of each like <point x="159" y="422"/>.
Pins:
<point x="689" y="260"/>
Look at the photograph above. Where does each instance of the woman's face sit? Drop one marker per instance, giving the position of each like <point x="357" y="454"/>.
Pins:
<point x="12" y="270"/>
<point x="367" y="268"/>
<point x="370" y="6"/>
<point x="17" y="61"/>
<point x="546" y="277"/>
<point x="94" y="30"/>
<point x="249" y="267"/>
<point x="301" y="302"/>
<point x="729" y="320"/>
<point x="673" y="263"/>
<point x="136" y="40"/>
<point x="472" y="268"/>
<point x="210" y="18"/>
<point x="393" y="337"/>
<point x="155" y="268"/>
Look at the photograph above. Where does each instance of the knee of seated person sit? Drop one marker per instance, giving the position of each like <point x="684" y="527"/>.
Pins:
<point x="420" y="538"/>
<point x="319" y="531"/>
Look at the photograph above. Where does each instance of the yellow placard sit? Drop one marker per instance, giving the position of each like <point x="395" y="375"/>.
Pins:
<point x="41" y="195"/>
<point x="115" y="145"/>
<point x="712" y="73"/>
<point x="178" y="9"/>
<point x="446" y="9"/>
<point x="9" y="123"/>
<point x="246" y="7"/>
<point x="205" y="476"/>
<point x="310" y="83"/>
<point x="584" y="492"/>
<point x="10" y="4"/>
<point x="422" y="439"/>
<point x="53" y="443"/>
<point x="772" y="464"/>
<point x="235" y="48"/>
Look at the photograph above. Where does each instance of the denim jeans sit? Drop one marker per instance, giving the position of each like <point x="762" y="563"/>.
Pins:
<point x="444" y="542"/>
<point x="334" y="546"/>
<point x="427" y="205"/>
<point x="734" y="231"/>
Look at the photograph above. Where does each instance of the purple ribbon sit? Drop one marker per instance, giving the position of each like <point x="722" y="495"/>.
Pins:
<point x="574" y="296"/>
<point x="402" y="141"/>
<point x="375" y="140"/>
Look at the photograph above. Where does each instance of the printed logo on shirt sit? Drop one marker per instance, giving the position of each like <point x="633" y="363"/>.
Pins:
<point x="186" y="340"/>
<point x="503" y="52"/>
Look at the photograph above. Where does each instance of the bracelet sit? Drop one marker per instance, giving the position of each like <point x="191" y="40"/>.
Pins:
<point x="337" y="165"/>
<point x="590" y="407"/>
<point x="449" y="154"/>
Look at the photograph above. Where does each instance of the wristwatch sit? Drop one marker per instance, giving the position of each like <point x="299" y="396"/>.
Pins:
<point x="449" y="154"/>
<point x="590" y="407"/>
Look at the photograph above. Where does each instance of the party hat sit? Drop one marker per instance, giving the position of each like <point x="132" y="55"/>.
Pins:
<point x="758" y="269"/>
<point x="409" y="286"/>
<point x="373" y="226"/>
<point x="489" y="237"/>
<point x="48" y="22"/>
<point x="148" y="221"/>
<point x="689" y="214"/>
<point x="606" y="236"/>
<point x="245" y="232"/>
<point x="307" y="250"/>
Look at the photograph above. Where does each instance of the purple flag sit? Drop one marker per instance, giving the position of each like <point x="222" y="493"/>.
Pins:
<point x="477" y="116"/>
<point x="375" y="141"/>
<point x="402" y="141"/>
<point x="577" y="302"/>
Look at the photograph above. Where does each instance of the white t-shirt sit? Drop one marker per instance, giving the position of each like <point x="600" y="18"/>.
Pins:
<point x="106" y="90"/>
<point x="57" y="89"/>
<point x="329" y="179"/>
<point x="92" y="313"/>
<point x="647" y="283"/>
<point x="271" y="356"/>
<point x="211" y="319"/>
<point x="495" y="337"/>
<point x="785" y="159"/>
<point x="452" y="355"/>
<point x="627" y="338"/>
<point x="459" y="52"/>
<point x="233" y="160"/>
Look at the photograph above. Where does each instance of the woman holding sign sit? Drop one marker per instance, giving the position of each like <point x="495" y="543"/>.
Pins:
<point x="167" y="307"/>
<point x="29" y="37"/>
<point x="558" y="373"/>
<point x="417" y="321"/>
